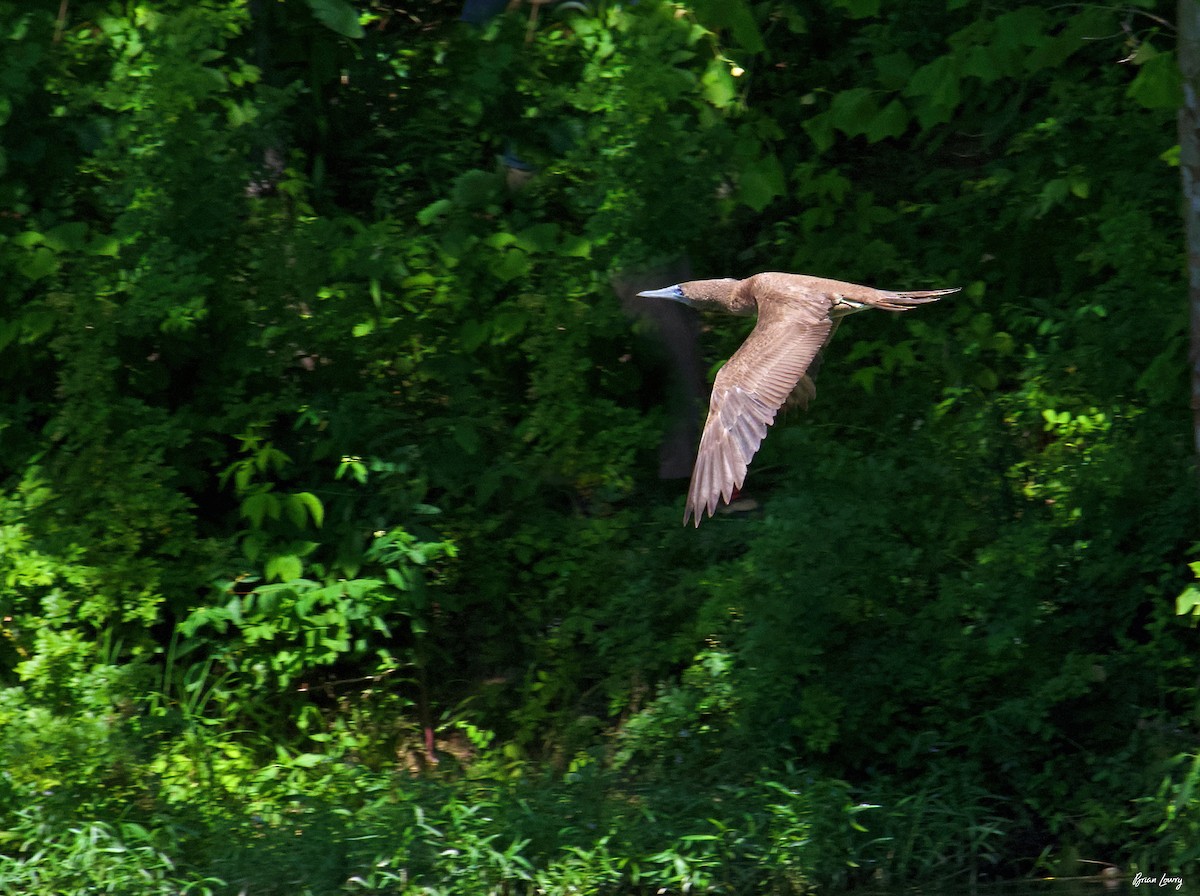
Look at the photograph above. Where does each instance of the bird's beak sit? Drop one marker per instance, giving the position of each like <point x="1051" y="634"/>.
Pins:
<point x="674" y="293"/>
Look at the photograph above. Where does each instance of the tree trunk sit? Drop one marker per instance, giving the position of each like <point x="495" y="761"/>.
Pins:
<point x="1189" y="167"/>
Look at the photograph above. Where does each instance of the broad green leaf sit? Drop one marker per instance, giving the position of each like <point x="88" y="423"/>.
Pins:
<point x="718" y="84"/>
<point x="27" y="238"/>
<point x="511" y="265"/>
<point x="936" y="87"/>
<point x="67" y="237"/>
<point x="466" y="437"/>
<point x="473" y="334"/>
<point x="796" y="22"/>
<point x="853" y="110"/>
<point x="1083" y="28"/>
<point x="981" y="62"/>
<point x="294" y="511"/>
<point x="1017" y="32"/>
<point x="313" y="505"/>
<point x="507" y="324"/>
<point x="1053" y="193"/>
<point x="538" y="238"/>
<point x="762" y="182"/>
<point x="284" y="567"/>
<point x="1158" y="84"/>
<point x="258" y="506"/>
<point x="35" y="324"/>
<point x="575" y="247"/>
<point x="500" y="240"/>
<point x="433" y="211"/>
<point x="987" y="379"/>
<point x="894" y="69"/>
<point x="338" y="16"/>
<point x="105" y="246"/>
<point x="892" y="121"/>
<point x="734" y="15"/>
<point x="39" y="263"/>
<point x="475" y="188"/>
<point x="1188" y="602"/>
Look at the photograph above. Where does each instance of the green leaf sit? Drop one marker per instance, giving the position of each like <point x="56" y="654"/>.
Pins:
<point x="507" y="324"/>
<point x="500" y="240"/>
<point x="473" y="334"/>
<point x="312" y="504"/>
<point x="1019" y="30"/>
<point x="338" y="16"/>
<point x="761" y="182"/>
<point x="734" y="15"/>
<point x="466" y="437"/>
<point x="433" y="211"/>
<point x="892" y="121"/>
<point x="67" y="237"/>
<point x="284" y="567"/>
<point x="980" y="62"/>
<point x="718" y="84"/>
<point x="853" y="110"/>
<point x="26" y="239"/>
<point x="575" y="247"/>
<point x="511" y="265"/>
<point x="475" y="188"/>
<point x="39" y="263"/>
<point x="1188" y="602"/>
<point x="259" y="506"/>
<point x="936" y="86"/>
<point x="894" y="69"/>
<point x="820" y="130"/>
<point x="538" y="238"/>
<point x="1158" y="84"/>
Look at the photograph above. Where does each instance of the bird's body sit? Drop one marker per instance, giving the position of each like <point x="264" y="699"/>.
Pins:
<point x="797" y="316"/>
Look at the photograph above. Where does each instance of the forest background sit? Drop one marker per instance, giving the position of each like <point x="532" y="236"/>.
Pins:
<point x="333" y="550"/>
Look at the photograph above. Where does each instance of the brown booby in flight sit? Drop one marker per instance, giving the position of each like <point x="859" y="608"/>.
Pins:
<point x="797" y="316"/>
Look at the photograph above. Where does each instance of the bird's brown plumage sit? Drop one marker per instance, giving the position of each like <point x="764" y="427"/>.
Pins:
<point x="797" y="316"/>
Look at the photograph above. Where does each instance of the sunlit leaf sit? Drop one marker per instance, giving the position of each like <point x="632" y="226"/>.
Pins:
<point x="338" y="16"/>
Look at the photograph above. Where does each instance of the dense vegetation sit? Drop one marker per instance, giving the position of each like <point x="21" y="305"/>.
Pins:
<point x="333" y="552"/>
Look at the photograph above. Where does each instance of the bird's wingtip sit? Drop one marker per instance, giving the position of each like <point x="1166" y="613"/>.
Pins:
<point x="906" y="300"/>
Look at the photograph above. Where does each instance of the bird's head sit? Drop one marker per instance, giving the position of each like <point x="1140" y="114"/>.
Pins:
<point x="697" y="293"/>
<point x="674" y="293"/>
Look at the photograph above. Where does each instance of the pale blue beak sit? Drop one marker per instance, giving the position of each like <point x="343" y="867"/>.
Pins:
<point x="674" y="293"/>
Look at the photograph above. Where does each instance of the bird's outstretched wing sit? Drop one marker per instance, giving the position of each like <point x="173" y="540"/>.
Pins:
<point x="746" y="395"/>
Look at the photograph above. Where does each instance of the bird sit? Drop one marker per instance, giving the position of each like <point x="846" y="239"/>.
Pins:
<point x="797" y="316"/>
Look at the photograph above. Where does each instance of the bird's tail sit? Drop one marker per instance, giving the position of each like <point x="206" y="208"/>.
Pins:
<point x="906" y="301"/>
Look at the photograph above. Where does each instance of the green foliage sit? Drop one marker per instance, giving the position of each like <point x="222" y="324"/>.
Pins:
<point x="331" y="553"/>
<point x="1169" y="816"/>
<point x="93" y="858"/>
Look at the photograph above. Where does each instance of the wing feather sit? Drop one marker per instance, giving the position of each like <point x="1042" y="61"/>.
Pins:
<point x="747" y="393"/>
